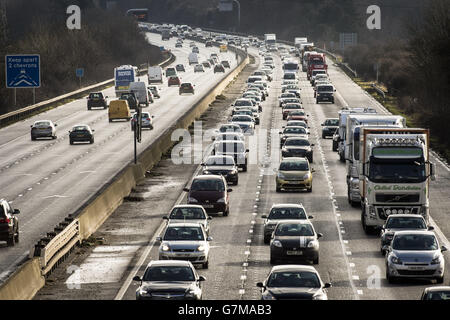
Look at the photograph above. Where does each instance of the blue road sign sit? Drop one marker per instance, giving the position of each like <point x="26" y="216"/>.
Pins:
<point x="80" y="72"/>
<point x="23" y="71"/>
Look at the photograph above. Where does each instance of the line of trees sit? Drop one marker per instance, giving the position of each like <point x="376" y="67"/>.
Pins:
<point x="106" y="39"/>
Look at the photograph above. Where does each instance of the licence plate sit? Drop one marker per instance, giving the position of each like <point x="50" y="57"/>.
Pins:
<point x="80" y="135"/>
<point x="294" y="253"/>
<point x="416" y="268"/>
<point x="292" y="182"/>
<point x="208" y="206"/>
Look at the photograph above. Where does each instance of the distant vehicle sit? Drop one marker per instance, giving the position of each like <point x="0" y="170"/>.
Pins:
<point x="208" y="44"/>
<point x="155" y="74"/>
<point x="123" y="76"/>
<point x="233" y="148"/>
<point x="206" y="64"/>
<point x="174" y="81"/>
<point x="191" y="213"/>
<point x="165" y="34"/>
<point x="222" y="165"/>
<point x="169" y="279"/>
<point x="185" y="241"/>
<point x="298" y="147"/>
<point x="289" y="107"/>
<point x="293" y="282"/>
<point x="211" y="192"/>
<point x="43" y="129"/>
<point x="199" y="68"/>
<point x="170" y="72"/>
<point x="81" y="133"/>
<point x="141" y="92"/>
<point x="139" y="14"/>
<point x="436" y="293"/>
<point x="219" y="68"/>
<point x="325" y="92"/>
<point x="180" y="68"/>
<point x="247" y="123"/>
<point x="415" y="254"/>
<point x="119" y="109"/>
<point x="280" y="212"/>
<point x="223" y="48"/>
<point x="195" y="50"/>
<point x="226" y="64"/>
<point x="96" y="100"/>
<point x="186" y="87"/>
<point x="9" y="224"/>
<point x="294" y="173"/>
<point x="147" y="120"/>
<point x="294" y="240"/>
<point x="131" y="98"/>
<point x="179" y="45"/>
<point x="330" y="127"/>
<point x="292" y="132"/>
<point x="285" y="95"/>
<point x="155" y="91"/>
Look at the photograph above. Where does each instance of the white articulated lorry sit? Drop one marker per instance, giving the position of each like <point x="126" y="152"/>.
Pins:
<point x="355" y="122"/>
<point x="395" y="174"/>
<point x="339" y="137"/>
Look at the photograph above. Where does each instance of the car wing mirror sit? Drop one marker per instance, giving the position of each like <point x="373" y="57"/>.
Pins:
<point x="186" y="189"/>
<point x="230" y="190"/>
<point x="260" y="285"/>
<point x="165" y="218"/>
<point x="327" y="285"/>
<point x="56" y="124"/>
<point x="209" y="239"/>
<point x="93" y="130"/>
<point x="264" y="216"/>
<point x="430" y="228"/>
<point x="16" y="211"/>
<point x="209" y="218"/>
<point x="312" y="144"/>
<point x="313" y="170"/>
<point x="319" y="235"/>
<point x="310" y="217"/>
<point x="443" y="248"/>
<point x="137" y="278"/>
<point x="158" y="239"/>
<point x="201" y="278"/>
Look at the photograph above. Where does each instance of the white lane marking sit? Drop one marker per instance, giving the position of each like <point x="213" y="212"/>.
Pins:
<point x="360" y="292"/>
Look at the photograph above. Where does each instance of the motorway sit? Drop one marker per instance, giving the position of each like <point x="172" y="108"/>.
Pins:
<point x="49" y="179"/>
<point x="349" y="258"/>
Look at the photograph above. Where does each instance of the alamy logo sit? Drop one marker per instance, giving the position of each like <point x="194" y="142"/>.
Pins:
<point x="74" y="20"/>
<point x="374" y="21"/>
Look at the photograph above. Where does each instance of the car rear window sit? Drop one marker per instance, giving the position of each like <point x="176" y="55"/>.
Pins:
<point x="287" y="213"/>
<point x="294" y="229"/>
<point x="233" y="147"/>
<point x="169" y="273"/>
<point x="208" y="185"/>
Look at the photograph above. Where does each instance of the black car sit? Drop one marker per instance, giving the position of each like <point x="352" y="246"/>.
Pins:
<point x="97" y="100"/>
<point x="81" y="133"/>
<point x="294" y="240"/>
<point x="9" y="224"/>
<point x="222" y="165"/>
<point x="436" y="293"/>
<point x="131" y="98"/>
<point x="180" y="67"/>
<point x="186" y="88"/>
<point x="329" y="127"/>
<point x="293" y="282"/>
<point x="226" y="64"/>
<point x="325" y="92"/>
<point x="169" y="280"/>
<point x="219" y="68"/>
<point x="208" y="44"/>
<point x="298" y="147"/>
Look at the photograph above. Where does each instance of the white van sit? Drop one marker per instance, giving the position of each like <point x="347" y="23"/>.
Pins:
<point x="140" y="89"/>
<point x="155" y="75"/>
<point x="193" y="58"/>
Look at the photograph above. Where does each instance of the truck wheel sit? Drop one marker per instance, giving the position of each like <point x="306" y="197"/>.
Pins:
<point x="309" y="190"/>
<point x="316" y="261"/>
<point x="266" y="239"/>
<point x="11" y="241"/>
<point x="323" y="136"/>
<point x="205" y="265"/>
<point x="33" y="138"/>
<point x="334" y="148"/>
<point x="440" y="279"/>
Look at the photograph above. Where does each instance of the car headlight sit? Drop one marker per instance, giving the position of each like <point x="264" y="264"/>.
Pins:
<point x="234" y="171"/>
<point x="206" y="172"/>
<point x="436" y="260"/>
<point x="284" y="150"/>
<point x="165" y="247"/>
<point x="313" y="244"/>
<point x="280" y="175"/>
<point x="396" y="260"/>
<point x="306" y="176"/>
<point x="268" y="296"/>
<point x="320" y="296"/>
<point x="221" y="200"/>
<point x="277" y="243"/>
<point x="201" y="248"/>
<point x="372" y="211"/>
<point x="192" y="200"/>
<point x="190" y="294"/>
<point x="143" y="292"/>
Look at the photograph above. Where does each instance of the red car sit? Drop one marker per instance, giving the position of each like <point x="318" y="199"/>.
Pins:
<point x="174" y="81"/>
<point x="297" y="115"/>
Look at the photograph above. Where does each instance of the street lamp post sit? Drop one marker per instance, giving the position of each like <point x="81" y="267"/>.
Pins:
<point x="239" y="12"/>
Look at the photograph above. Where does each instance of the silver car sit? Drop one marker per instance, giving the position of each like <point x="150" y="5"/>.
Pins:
<point x="293" y="282"/>
<point x="189" y="213"/>
<point x="415" y="254"/>
<point x="400" y="222"/>
<point x="43" y="129"/>
<point x="279" y="212"/>
<point x="185" y="241"/>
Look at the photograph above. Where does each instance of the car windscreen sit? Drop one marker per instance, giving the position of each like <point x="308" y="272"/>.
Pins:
<point x="208" y="185"/>
<point x="95" y="96"/>
<point x="294" y="229"/>
<point x="297" y="142"/>
<point x="292" y="106"/>
<point x="294" y="166"/>
<point x="415" y="242"/>
<point x="296" y="124"/>
<point x="187" y="213"/>
<point x="332" y="123"/>
<point x="80" y="128"/>
<point x="405" y="223"/>
<point x="289" y="76"/>
<point x="325" y="88"/>
<point x="183" y="233"/>
<point x="220" y="161"/>
<point x="230" y="128"/>
<point x="42" y="124"/>
<point x="242" y="103"/>
<point x="287" y="213"/>
<point x="291" y="130"/>
<point x="169" y="273"/>
<point x="288" y="95"/>
<point x="293" y="279"/>
<point x="242" y="118"/>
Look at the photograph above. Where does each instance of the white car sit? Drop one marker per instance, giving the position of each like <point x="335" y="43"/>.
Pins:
<point x="43" y="129"/>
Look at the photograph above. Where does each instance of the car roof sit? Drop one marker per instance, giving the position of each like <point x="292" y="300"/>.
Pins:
<point x="209" y="176"/>
<point x="293" y="267"/>
<point x="294" y="159"/>
<point x="439" y="288"/>
<point x="297" y="138"/>
<point x="287" y="205"/>
<point x="297" y="221"/>
<point x="405" y="215"/>
<point x="187" y="206"/>
<point x="181" y="263"/>
<point x="185" y="224"/>
<point x="404" y="232"/>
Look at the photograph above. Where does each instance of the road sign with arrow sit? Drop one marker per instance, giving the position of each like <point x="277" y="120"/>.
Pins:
<point x="23" y="71"/>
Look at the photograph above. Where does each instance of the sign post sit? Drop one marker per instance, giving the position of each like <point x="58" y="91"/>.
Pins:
<point x="80" y="74"/>
<point x="23" y="71"/>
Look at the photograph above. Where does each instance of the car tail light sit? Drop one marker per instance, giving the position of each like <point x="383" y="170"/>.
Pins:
<point x="7" y="220"/>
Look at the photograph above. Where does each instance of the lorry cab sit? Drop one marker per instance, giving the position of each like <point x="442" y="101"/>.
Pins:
<point x="119" y="109"/>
